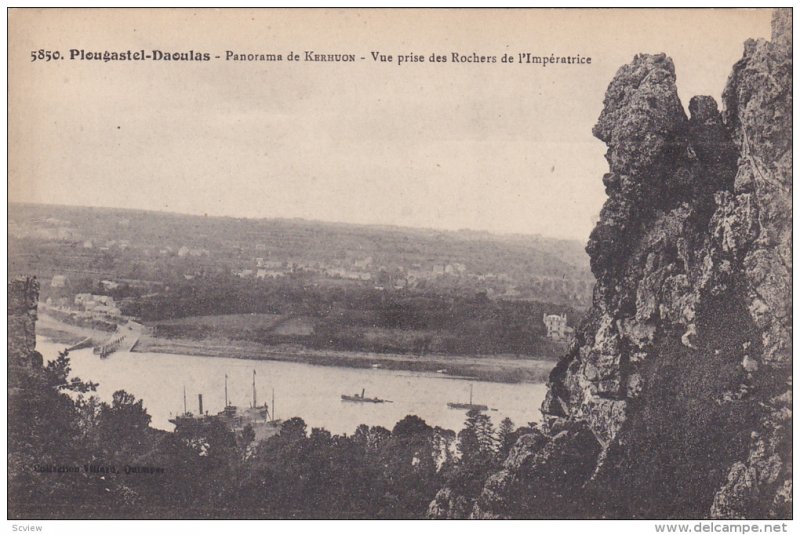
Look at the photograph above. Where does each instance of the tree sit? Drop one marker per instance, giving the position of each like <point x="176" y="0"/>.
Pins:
<point x="123" y="425"/>
<point x="293" y="428"/>
<point x="443" y="441"/>
<point x="477" y="445"/>
<point x="57" y="376"/>
<point x="372" y="438"/>
<point x="410" y="426"/>
<point x="481" y="426"/>
<point x="506" y="436"/>
<point x="46" y="428"/>
<point x="408" y="460"/>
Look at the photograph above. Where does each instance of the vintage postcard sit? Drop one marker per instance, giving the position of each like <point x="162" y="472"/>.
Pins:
<point x="400" y="264"/>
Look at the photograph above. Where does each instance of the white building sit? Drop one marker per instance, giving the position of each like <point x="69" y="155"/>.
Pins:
<point x="557" y="328"/>
<point x="363" y="264"/>
<point x="269" y="274"/>
<point x="80" y="299"/>
<point x="268" y="264"/>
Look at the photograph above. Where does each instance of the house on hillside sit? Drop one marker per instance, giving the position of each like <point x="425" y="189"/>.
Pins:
<point x="81" y="299"/>
<point x="363" y="264"/>
<point x="109" y="284"/>
<point x="557" y="328"/>
<point x="269" y="274"/>
<point x="268" y="264"/>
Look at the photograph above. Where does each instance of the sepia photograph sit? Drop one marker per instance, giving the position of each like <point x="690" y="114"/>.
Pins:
<point x="395" y="264"/>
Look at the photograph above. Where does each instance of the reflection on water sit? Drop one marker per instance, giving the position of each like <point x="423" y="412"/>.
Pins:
<point x="311" y="392"/>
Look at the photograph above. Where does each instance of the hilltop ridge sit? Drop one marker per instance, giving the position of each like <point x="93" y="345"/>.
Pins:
<point x="138" y="244"/>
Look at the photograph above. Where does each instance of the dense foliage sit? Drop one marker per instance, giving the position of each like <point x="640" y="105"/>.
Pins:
<point x="57" y="423"/>
<point x="353" y="318"/>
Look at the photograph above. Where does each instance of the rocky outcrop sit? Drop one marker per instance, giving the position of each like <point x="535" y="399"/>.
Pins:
<point x="23" y="300"/>
<point x="449" y="505"/>
<point x="542" y="473"/>
<point x="758" y="110"/>
<point x="675" y="399"/>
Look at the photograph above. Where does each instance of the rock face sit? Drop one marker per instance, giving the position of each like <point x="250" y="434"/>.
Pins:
<point x="23" y="299"/>
<point x="758" y="110"/>
<point x="675" y="399"/>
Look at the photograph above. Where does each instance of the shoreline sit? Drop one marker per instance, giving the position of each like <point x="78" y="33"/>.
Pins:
<point x="492" y="368"/>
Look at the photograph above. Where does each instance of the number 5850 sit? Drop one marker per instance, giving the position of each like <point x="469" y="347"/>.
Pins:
<point x="45" y="55"/>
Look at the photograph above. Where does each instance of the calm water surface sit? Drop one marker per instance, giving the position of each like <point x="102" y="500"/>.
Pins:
<point x="311" y="392"/>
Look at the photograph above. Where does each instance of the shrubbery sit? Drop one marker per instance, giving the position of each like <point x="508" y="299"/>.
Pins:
<point x="373" y="473"/>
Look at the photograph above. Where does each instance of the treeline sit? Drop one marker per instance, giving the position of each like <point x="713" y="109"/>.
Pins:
<point x="55" y="421"/>
<point x="361" y="318"/>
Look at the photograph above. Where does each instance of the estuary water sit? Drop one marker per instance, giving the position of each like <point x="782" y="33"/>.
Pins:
<point x="310" y="392"/>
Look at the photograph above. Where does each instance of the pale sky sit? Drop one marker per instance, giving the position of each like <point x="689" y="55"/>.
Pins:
<point x="497" y="147"/>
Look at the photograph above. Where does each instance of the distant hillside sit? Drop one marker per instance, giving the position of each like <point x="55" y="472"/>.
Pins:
<point x="514" y="266"/>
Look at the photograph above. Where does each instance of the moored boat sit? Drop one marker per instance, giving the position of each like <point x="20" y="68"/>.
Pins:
<point x="467" y="406"/>
<point x="258" y="418"/>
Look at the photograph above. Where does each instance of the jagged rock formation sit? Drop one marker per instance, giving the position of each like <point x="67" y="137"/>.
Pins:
<point x="675" y="399"/>
<point x="23" y="299"/>
<point x="758" y="111"/>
